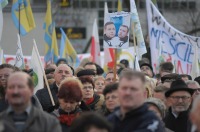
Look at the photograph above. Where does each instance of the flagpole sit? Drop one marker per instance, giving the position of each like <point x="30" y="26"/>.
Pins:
<point x="19" y="17"/>
<point x="134" y="42"/>
<point x="45" y="78"/>
<point x="115" y="66"/>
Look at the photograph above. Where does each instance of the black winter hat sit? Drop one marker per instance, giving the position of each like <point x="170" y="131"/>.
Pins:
<point x="146" y="64"/>
<point x="85" y="73"/>
<point x="178" y="85"/>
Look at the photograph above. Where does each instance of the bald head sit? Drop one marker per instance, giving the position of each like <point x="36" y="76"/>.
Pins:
<point x="62" y="71"/>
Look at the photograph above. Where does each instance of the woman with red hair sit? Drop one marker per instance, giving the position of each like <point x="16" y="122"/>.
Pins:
<point x="69" y="97"/>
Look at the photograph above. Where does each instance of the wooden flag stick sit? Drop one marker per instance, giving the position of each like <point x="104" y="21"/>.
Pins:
<point x="134" y="38"/>
<point x="134" y="42"/>
<point x="115" y="66"/>
<point x="45" y="78"/>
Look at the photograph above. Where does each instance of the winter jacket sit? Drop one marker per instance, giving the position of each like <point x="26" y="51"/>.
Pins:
<point x="137" y="120"/>
<point x="38" y="121"/>
<point x="178" y="124"/>
<point x="44" y="98"/>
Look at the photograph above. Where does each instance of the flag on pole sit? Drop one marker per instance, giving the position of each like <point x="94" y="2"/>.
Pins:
<point x="54" y="47"/>
<point x="37" y="69"/>
<point x="68" y="50"/>
<point x="95" y="46"/>
<point x="136" y="63"/>
<point x="19" y="61"/>
<point x="137" y="33"/>
<point x="48" y="26"/>
<point x="24" y="16"/>
<point x="1" y="21"/>
<point x="195" y="63"/>
<point x="109" y="53"/>
<point x="3" y="3"/>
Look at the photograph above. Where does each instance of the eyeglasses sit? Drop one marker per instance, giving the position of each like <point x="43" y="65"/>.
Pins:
<point x="176" y="98"/>
<point x="87" y="87"/>
<point x="111" y="97"/>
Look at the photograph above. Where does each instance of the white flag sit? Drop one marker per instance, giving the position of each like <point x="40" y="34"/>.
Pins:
<point x="19" y="61"/>
<point x="1" y="22"/>
<point x="95" y="47"/>
<point x="195" y="63"/>
<point x="136" y="64"/>
<point x="105" y="8"/>
<point x="37" y="69"/>
<point x="141" y="48"/>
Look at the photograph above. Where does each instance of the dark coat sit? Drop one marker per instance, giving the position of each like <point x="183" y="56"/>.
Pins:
<point x="38" y="121"/>
<point x="97" y="104"/>
<point x="137" y="120"/>
<point x="178" y="124"/>
<point x="65" y="126"/>
<point x="44" y="98"/>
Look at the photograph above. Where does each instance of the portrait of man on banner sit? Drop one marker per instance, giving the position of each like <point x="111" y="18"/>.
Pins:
<point x="116" y="30"/>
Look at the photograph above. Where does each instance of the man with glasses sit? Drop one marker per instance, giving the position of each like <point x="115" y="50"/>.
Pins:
<point x="180" y="98"/>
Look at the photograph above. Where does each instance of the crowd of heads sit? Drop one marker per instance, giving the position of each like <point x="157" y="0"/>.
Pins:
<point x="90" y="88"/>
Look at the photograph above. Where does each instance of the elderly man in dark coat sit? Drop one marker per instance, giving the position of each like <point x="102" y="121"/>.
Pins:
<point x="180" y="98"/>
<point x="21" y="115"/>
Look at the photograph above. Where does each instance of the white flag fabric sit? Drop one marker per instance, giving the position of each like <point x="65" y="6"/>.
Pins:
<point x="195" y="64"/>
<point x="1" y="22"/>
<point x="105" y="8"/>
<point x="173" y="45"/>
<point x="95" y="45"/>
<point x="19" y="61"/>
<point x="37" y="69"/>
<point x="135" y="21"/>
<point x="1" y="56"/>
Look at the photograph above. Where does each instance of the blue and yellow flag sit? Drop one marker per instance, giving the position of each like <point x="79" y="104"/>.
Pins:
<point x="23" y="16"/>
<point x="54" y="46"/>
<point x="48" y="26"/>
<point x="67" y="50"/>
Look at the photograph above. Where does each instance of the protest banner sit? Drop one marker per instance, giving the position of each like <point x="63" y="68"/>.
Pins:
<point x="116" y="30"/>
<point x="169" y="44"/>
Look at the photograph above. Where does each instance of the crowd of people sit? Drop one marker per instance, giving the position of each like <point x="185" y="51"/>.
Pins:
<point x="89" y="99"/>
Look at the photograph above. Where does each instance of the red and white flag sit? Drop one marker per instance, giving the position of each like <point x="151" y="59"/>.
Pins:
<point x="95" y="46"/>
<point x="109" y="53"/>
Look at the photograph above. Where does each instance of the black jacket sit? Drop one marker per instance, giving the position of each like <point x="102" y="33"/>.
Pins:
<point x="96" y="105"/>
<point x="44" y="98"/>
<point x="138" y="120"/>
<point x="178" y="124"/>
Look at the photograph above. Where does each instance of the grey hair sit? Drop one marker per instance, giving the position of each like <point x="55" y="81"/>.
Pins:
<point x="191" y="82"/>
